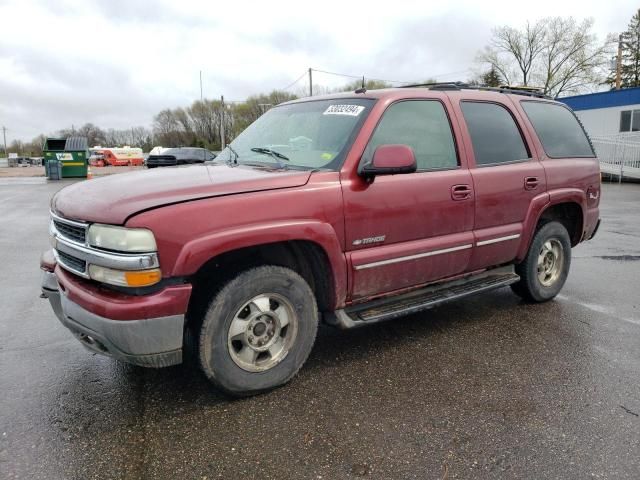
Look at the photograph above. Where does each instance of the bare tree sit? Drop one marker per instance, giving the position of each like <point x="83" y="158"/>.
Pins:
<point x="95" y="135"/>
<point x="16" y="146"/>
<point x="572" y="57"/>
<point x="167" y="128"/>
<point x="35" y="146"/>
<point x="141" y="137"/>
<point x="510" y="45"/>
<point x="205" y="118"/>
<point x="557" y="54"/>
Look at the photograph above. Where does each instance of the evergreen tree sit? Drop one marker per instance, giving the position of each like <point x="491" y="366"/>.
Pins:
<point x="492" y="78"/>
<point x="630" y="71"/>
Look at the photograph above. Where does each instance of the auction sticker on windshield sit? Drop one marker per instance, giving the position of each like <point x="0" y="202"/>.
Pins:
<point x="351" y="110"/>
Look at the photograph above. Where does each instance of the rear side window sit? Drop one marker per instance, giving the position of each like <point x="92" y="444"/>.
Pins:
<point x="558" y="129"/>
<point x="494" y="134"/>
<point x="421" y="124"/>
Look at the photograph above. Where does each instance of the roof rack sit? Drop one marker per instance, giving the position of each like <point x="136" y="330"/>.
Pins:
<point x="527" y="91"/>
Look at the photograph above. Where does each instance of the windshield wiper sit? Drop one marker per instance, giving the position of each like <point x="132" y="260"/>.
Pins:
<point x="268" y="151"/>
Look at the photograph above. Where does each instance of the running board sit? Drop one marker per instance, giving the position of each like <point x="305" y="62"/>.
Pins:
<point x="428" y="297"/>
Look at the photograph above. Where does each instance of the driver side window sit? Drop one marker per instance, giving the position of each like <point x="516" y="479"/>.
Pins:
<point x="422" y="125"/>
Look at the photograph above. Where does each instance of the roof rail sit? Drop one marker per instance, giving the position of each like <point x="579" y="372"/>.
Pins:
<point x="526" y="91"/>
<point x="439" y="85"/>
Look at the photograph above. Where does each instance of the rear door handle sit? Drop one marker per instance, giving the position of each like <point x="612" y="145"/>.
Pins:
<point x="461" y="192"/>
<point x="531" y="183"/>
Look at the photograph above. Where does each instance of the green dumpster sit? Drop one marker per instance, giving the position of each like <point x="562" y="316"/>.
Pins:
<point x="72" y="152"/>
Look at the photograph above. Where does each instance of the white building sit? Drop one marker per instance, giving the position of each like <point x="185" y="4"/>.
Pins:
<point x="612" y="120"/>
<point x="608" y="113"/>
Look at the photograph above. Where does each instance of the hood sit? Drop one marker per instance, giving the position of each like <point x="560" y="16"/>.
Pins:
<point x="112" y="199"/>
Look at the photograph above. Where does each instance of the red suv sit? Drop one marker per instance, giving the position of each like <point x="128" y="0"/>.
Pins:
<point x="348" y="209"/>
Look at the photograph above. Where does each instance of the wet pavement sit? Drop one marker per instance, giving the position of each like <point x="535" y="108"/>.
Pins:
<point x="484" y="388"/>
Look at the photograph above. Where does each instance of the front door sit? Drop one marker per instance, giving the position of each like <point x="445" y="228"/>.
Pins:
<point x="409" y="229"/>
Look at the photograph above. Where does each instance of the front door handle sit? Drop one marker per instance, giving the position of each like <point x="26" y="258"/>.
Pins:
<point x="531" y="183"/>
<point x="461" y="192"/>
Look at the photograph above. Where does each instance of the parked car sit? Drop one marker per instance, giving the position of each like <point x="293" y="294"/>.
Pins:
<point x="348" y="209"/>
<point x="180" y="156"/>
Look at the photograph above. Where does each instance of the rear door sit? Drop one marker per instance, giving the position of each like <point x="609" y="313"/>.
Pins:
<point x="409" y="229"/>
<point x="506" y="176"/>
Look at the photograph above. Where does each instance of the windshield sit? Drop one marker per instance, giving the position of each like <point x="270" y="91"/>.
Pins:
<point x="307" y="135"/>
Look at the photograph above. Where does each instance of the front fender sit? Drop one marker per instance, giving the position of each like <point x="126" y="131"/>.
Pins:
<point x="198" y="251"/>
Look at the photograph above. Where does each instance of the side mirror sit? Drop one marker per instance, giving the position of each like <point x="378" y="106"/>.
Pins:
<point x="390" y="160"/>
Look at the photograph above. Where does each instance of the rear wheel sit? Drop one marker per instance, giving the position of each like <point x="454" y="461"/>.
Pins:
<point x="546" y="266"/>
<point x="258" y="330"/>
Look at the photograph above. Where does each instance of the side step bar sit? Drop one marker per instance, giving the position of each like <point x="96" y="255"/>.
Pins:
<point x="428" y="297"/>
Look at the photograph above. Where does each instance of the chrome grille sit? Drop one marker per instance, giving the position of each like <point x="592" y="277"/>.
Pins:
<point x="71" y="232"/>
<point x="71" y="262"/>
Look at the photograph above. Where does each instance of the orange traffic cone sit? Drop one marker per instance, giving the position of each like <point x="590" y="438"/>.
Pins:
<point x="89" y="173"/>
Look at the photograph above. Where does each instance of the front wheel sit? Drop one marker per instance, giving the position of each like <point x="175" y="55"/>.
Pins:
<point x="258" y="330"/>
<point x="546" y="266"/>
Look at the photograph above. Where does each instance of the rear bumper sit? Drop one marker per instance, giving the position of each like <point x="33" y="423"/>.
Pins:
<point x="595" y="230"/>
<point x="146" y="341"/>
<point x="592" y="223"/>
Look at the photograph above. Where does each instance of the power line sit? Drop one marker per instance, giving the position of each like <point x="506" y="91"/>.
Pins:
<point x="295" y="81"/>
<point x="387" y="80"/>
<point x="359" y="76"/>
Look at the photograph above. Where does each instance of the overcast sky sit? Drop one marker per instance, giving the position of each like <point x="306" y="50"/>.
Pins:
<point x="116" y="63"/>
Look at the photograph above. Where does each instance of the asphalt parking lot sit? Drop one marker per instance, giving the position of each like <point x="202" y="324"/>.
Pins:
<point x="485" y="388"/>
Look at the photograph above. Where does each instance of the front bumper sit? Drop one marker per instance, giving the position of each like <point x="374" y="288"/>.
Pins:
<point x="148" y="342"/>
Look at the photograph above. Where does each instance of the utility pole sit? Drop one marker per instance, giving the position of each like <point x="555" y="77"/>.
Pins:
<point x="619" y="63"/>
<point x="201" y="85"/>
<point x="4" y="134"/>
<point x="222" y="144"/>
<point x="263" y="107"/>
<point x="310" y="84"/>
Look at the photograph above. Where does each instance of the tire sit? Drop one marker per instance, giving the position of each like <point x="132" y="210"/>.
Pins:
<point x="546" y="266"/>
<point x="244" y="347"/>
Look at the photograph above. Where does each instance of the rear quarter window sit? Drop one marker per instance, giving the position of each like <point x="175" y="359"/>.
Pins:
<point x="558" y="129"/>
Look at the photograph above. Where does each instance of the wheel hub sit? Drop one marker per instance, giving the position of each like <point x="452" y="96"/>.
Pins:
<point x="550" y="262"/>
<point x="262" y="332"/>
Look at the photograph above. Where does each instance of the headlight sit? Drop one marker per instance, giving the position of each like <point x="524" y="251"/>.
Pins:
<point x="136" y="278"/>
<point x="120" y="239"/>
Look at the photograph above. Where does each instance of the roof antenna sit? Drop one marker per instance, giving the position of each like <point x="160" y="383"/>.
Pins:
<point x="362" y="89"/>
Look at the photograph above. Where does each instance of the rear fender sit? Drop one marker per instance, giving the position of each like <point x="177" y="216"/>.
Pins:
<point x="543" y="202"/>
